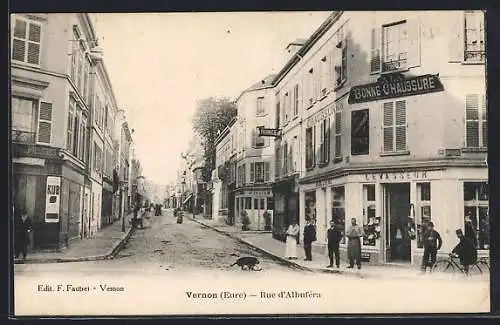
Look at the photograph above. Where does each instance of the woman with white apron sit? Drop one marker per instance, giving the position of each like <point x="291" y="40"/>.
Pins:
<point x="291" y="241"/>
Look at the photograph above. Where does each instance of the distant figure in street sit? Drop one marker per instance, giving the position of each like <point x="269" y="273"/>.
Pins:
<point x="22" y="228"/>
<point x="292" y="234"/>
<point x="432" y="243"/>
<point x="354" y="234"/>
<point x="465" y="251"/>
<point x="309" y="237"/>
<point x="470" y="232"/>
<point x="334" y="237"/>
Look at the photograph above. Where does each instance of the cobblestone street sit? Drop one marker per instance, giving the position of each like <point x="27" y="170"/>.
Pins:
<point x="170" y="259"/>
<point x="164" y="245"/>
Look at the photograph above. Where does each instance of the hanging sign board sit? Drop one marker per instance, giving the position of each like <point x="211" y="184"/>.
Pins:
<point x="395" y="85"/>
<point x="263" y="132"/>
<point x="53" y="198"/>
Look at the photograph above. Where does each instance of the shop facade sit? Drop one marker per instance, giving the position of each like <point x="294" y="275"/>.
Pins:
<point x="286" y="205"/>
<point x="258" y="203"/>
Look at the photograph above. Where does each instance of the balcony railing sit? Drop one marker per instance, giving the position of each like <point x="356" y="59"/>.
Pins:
<point x="23" y="137"/>
<point x="394" y="65"/>
<point x="474" y="56"/>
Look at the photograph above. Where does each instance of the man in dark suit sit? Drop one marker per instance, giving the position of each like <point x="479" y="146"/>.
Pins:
<point x="309" y="237"/>
<point x="334" y="238"/>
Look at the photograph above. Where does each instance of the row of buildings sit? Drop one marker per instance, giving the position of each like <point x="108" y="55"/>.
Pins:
<point x="73" y="158"/>
<point x="378" y="116"/>
<point x="190" y="190"/>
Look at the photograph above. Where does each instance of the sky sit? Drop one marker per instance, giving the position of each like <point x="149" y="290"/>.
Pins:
<point x="160" y="64"/>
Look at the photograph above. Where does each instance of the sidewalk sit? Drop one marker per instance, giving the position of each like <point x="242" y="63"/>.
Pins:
<point x="275" y="248"/>
<point x="105" y="244"/>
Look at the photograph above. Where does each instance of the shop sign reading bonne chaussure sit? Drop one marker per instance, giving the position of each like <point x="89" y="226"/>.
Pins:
<point x="395" y="85"/>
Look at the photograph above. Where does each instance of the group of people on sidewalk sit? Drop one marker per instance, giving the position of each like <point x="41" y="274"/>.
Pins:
<point x="334" y="235"/>
<point x="465" y="250"/>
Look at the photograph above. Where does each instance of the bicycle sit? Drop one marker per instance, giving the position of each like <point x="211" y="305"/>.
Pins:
<point x="484" y="264"/>
<point x="449" y="265"/>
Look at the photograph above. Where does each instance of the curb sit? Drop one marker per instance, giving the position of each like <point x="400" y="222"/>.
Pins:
<point x="110" y="255"/>
<point x="294" y="264"/>
<point x="260" y="249"/>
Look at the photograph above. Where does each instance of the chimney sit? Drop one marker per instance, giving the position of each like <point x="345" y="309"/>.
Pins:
<point x="294" y="47"/>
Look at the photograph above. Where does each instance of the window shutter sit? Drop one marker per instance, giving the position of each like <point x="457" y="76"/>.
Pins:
<point x="338" y="64"/>
<point x="69" y="139"/>
<point x="401" y="125"/>
<point x="456" y="41"/>
<point x="472" y="120"/>
<point x="80" y="72"/>
<point x="388" y="127"/>
<point x="19" y="43"/>
<point x="44" y="122"/>
<point x="34" y="38"/>
<point x="252" y="172"/>
<point x="413" y="42"/>
<point x="314" y="150"/>
<point x="485" y="122"/>
<point x="266" y="172"/>
<point x="376" y="43"/>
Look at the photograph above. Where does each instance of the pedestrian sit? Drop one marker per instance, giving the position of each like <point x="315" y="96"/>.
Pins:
<point x="432" y="243"/>
<point x="22" y="228"/>
<point x="334" y="237"/>
<point x="354" y="234"/>
<point x="309" y="238"/>
<point x="470" y="232"/>
<point x="465" y="251"/>
<point x="292" y="235"/>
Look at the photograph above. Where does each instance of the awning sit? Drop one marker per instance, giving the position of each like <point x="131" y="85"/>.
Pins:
<point x="187" y="199"/>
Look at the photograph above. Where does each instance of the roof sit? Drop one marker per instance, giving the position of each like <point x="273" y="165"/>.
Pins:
<point x="264" y="83"/>
<point x="316" y="35"/>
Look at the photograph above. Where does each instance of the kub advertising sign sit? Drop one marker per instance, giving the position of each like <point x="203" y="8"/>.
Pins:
<point x="53" y="197"/>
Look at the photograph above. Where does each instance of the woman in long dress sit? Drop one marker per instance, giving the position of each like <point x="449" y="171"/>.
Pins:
<point x="291" y="241"/>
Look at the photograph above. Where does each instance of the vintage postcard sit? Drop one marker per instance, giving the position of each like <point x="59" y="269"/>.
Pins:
<point x="249" y="163"/>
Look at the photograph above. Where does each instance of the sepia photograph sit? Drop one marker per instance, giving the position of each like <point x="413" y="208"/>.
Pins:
<point x="249" y="163"/>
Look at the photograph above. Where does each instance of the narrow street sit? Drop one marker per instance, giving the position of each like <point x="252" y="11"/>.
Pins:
<point x="164" y="245"/>
<point x="170" y="260"/>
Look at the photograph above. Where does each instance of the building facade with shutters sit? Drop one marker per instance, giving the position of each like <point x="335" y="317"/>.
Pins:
<point x="50" y="110"/>
<point x="391" y="126"/>
<point x="252" y="169"/>
<point x="222" y="177"/>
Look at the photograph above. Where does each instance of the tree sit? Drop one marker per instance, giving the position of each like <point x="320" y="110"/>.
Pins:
<point x="211" y="117"/>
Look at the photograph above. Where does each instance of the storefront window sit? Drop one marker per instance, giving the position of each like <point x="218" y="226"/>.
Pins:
<point x="371" y="223"/>
<point x="476" y="214"/>
<point x="270" y="204"/>
<point x="248" y="203"/>
<point x="423" y="210"/>
<point x="310" y="206"/>
<point x="338" y="211"/>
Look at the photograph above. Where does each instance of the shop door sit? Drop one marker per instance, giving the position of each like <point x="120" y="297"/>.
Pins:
<point x="259" y="206"/>
<point x="397" y="205"/>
